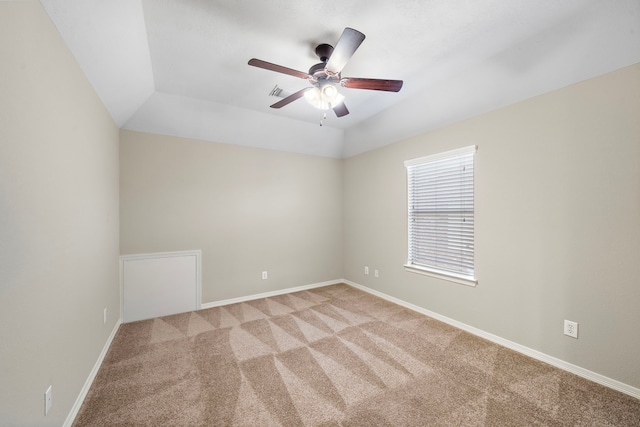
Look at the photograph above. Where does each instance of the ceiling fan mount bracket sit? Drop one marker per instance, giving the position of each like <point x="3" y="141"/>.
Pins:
<point x="324" y="52"/>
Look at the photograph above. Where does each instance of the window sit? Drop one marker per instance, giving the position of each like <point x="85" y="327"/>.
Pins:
<point x="440" y="214"/>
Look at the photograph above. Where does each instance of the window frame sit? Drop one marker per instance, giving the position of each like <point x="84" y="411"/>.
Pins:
<point x="430" y="270"/>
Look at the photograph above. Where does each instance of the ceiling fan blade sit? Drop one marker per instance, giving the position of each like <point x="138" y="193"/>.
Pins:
<point x="349" y="42"/>
<point x="289" y="99"/>
<point x="278" y="68"/>
<point x="341" y="110"/>
<point x="371" y="84"/>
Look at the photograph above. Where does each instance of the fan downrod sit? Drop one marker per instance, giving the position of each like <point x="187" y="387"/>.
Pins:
<point x="318" y="71"/>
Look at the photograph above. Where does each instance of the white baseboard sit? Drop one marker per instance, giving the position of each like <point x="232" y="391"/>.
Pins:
<point x="270" y="294"/>
<point x="92" y="375"/>
<point x="553" y="361"/>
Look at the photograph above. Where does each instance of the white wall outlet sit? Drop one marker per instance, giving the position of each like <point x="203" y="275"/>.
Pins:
<point x="104" y="316"/>
<point x="571" y="328"/>
<point x="265" y="275"/>
<point x="366" y="270"/>
<point x="48" y="400"/>
<point x="375" y="273"/>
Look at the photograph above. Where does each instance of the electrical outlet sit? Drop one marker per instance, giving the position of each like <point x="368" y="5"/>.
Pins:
<point x="366" y="270"/>
<point x="48" y="400"/>
<point x="375" y="273"/>
<point x="571" y="328"/>
<point x="104" y="316"/>
<point x="265" y="275"/>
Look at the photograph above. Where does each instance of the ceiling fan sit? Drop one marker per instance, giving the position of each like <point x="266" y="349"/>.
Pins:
<point x="325" y="76"/>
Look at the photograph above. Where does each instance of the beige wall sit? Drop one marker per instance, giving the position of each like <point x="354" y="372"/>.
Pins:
<point x="557" y="223"/>
<point x="247" y="209"/>
<point x="58" y="220"/>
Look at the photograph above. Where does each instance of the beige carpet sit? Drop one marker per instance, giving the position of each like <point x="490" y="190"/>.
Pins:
<point x="333" y="356"/>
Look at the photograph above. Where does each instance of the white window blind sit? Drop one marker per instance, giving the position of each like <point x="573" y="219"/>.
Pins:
<point x="441" y="226"/>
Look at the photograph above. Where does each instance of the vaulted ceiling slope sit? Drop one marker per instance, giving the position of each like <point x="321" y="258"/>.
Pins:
<point x="179" y="67"/>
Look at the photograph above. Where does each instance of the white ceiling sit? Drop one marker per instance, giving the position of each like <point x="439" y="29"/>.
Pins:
<point x="179" y="67"/>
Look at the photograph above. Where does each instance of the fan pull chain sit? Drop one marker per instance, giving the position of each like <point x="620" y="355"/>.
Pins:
<point x="324" y="117"/>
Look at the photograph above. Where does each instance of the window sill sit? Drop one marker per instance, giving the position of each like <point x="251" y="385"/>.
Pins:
<point x="440" y="275"/>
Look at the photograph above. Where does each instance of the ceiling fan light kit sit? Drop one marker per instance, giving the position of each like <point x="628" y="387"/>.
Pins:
<point x="324" y="77"/>
<point x="324" y="98"/>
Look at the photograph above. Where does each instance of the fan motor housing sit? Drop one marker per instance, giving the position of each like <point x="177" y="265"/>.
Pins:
<point x="318" y="73"/>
